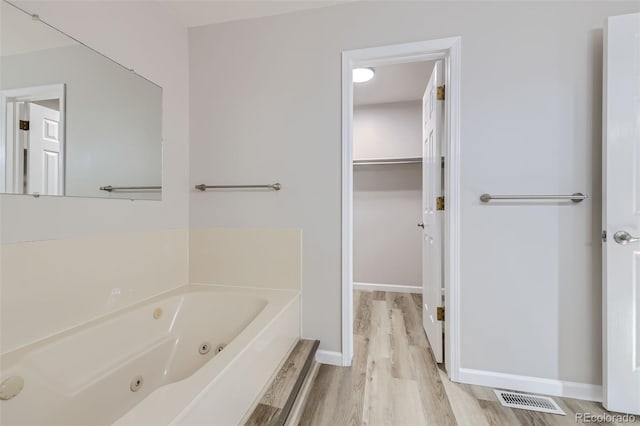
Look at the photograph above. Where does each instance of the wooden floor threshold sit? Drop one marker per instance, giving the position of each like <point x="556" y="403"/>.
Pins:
<point x="278" y="400"/>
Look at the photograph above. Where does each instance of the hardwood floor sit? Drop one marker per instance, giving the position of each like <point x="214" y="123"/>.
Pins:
<point x="394" y="379"/>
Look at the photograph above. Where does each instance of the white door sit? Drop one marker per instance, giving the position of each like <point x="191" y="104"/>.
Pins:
<point x="432" y="219"/>
<point x="45" y="151"/>
<point x="621" y="215"/>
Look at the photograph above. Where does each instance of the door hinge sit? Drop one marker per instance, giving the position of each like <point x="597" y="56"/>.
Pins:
<point x="440" y="203"/>
<point x="604" y="236"/>
<point x="24" y="125"/>
<point x="440" y="93"/>
<point x="440" y="313"/>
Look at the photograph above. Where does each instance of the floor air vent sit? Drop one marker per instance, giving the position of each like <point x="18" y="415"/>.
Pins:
<point x="525" y="401"/>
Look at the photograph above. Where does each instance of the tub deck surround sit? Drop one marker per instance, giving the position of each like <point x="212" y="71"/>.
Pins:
<point x="246" y="257"/>
<point x="89" y="374"/>
<point x="83" y="278"/>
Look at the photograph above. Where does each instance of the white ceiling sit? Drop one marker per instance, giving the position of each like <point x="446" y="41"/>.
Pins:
<point x="394" y="83"/>
<point x="193" y="13"/>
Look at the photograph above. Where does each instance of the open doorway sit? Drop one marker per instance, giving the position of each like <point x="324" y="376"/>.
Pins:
<point x="387" y="177"/>
<point x="371" y="160"/>
<point x="397" y="180"/>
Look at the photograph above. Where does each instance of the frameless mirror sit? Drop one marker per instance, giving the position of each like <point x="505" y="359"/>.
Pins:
<point x="72" y="121"/>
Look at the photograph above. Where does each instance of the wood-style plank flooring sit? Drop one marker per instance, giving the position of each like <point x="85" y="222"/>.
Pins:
<point x="394" y="379"/>
<point x="276" y="403"/>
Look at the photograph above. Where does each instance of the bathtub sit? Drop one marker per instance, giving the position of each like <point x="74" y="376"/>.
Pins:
<point x="200" y="354"/>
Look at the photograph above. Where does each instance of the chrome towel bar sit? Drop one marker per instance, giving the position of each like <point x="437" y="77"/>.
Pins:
<point x="275" y="186"/>
<point x="110" y="188"/>
<point x="575" y="197"/>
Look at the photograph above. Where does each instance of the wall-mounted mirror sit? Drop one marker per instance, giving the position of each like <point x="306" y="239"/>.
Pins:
<point x="72" y="121"/>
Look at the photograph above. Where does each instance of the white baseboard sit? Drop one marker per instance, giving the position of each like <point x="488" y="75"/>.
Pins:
<point x="388" y="287"/>
<point x="329" y="357"/>
<point x="560" y="388"/>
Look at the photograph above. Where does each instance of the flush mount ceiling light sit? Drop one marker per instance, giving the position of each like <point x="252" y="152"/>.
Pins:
<point x="361" y="75"/>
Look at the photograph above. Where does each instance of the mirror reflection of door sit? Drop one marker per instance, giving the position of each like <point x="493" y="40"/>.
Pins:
<point x="44" y="171"/>
<point x="33" y="142"/>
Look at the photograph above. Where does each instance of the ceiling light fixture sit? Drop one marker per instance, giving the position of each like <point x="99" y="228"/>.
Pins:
<point x="361" y="75"/>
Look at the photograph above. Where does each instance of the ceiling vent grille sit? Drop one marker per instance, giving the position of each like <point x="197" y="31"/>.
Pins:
<point x="525" y="401"/>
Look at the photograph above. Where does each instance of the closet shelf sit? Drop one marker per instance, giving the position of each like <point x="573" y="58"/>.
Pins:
<point x="384" y="161"/>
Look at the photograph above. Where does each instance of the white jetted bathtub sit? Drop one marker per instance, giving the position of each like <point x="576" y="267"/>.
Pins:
<point x="197" y="355"/>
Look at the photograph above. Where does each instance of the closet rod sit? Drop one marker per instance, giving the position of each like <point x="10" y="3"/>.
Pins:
<point x="387" y="161"/>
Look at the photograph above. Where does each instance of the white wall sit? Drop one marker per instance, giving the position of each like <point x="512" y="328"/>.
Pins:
<point x="387" y="130"/>
<point x="265" y="106"/>
<point x="142" y="36"/>
<point x="387" y="199"/>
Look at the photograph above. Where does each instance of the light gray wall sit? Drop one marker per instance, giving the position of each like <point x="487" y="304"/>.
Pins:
<point x="387" y="246"/>
<point x="388" y="130"/>
<point x="265" y="106"/>
<point x="387" y="199"/>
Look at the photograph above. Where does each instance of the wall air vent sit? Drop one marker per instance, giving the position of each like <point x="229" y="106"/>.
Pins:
<point x="525" y="401"/>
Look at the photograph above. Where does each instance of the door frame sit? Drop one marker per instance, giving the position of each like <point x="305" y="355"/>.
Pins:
<point x="448" y="49"/>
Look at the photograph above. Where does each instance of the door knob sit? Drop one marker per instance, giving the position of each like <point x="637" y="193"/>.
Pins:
<point x="623" y="237"/>
<point x="421" y="225"/>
